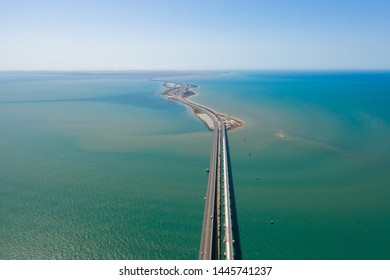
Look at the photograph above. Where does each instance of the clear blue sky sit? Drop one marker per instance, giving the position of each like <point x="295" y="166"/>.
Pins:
<point x="194" y="34"/>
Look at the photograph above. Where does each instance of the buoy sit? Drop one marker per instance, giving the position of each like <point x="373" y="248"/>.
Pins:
<point x="258" y="178"/>
<point x="272" y="222"/>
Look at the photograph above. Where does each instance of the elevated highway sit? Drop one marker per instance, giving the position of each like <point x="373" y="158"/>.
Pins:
<point x="212" y="246"/>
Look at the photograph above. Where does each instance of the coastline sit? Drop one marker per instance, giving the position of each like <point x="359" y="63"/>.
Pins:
<point x="183" y="92"/>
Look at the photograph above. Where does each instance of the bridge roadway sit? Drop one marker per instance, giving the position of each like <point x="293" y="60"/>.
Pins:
<point x="209" y="246"/>
<point x="228" y="239"/>
<point x="210" y="239"/>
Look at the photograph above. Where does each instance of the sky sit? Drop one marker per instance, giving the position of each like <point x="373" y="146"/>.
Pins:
<point x="194" y="34"/>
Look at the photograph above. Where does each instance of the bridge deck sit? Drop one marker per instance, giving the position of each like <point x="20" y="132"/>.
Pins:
<point x="210" y="245"/>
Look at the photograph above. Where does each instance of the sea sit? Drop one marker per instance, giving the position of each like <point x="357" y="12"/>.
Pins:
<point x="98" y="165"/>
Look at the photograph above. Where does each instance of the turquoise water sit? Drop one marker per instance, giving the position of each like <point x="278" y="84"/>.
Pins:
<point x="97" y="166"/>
<point x="326" y="183"/>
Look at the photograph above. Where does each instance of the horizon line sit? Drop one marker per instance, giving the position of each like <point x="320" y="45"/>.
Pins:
<point x="198" y="70"/>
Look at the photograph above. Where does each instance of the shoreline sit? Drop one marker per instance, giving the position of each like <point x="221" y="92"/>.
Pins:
<point x="183" y="92"/>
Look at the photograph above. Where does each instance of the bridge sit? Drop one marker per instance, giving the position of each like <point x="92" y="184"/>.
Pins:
<point x="217" y="220"/>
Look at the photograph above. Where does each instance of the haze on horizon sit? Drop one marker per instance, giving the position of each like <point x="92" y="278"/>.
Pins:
<point x="194" y="34"/>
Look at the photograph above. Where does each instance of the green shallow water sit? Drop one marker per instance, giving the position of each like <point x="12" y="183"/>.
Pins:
<point x="99" y="179"/>
<point x="99" y="167"/>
